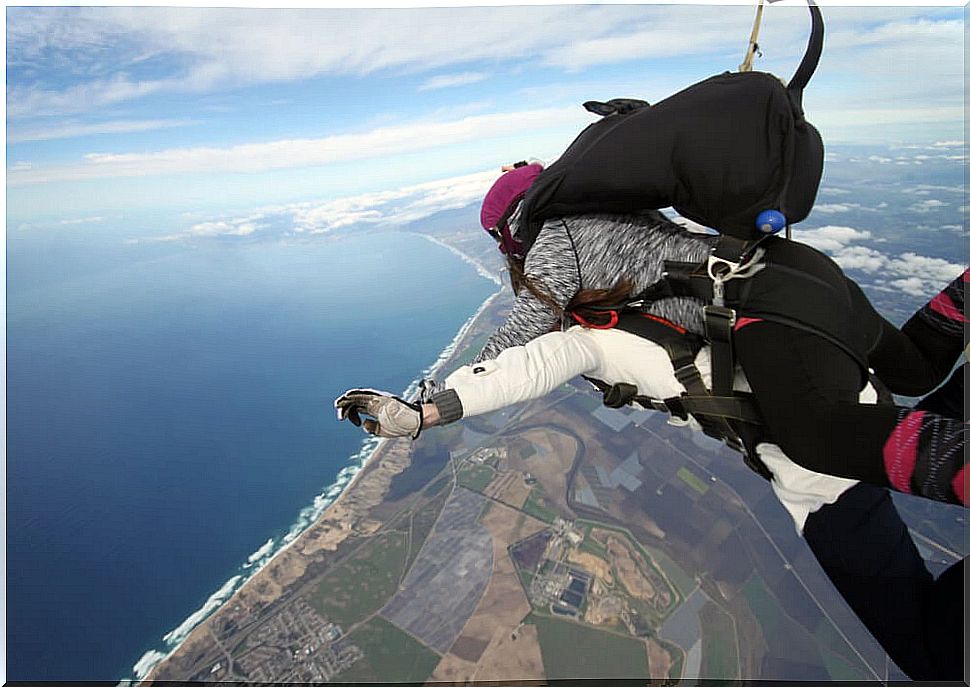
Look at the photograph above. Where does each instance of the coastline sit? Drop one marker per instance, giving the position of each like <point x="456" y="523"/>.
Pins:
<point x="333" y="516"/>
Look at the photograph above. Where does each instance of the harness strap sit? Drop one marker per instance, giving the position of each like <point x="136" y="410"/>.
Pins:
<point x="715" y="412"/>
<point x="718" y="325"/>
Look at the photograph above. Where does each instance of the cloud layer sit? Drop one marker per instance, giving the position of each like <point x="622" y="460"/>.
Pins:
<point x="914" y="274"/>
<point x="299" y="153"/>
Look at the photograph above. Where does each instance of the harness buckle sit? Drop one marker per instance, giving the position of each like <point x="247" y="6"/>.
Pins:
<point x="721" y="270"/>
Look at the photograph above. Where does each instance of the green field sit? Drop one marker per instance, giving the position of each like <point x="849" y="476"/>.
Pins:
<point x="475" y="477"/>
<point x="571" y="650"/>
<point x="390" y="655"/>
<point x="538" y="506"/>
<point x="693" y="481"/>
<point x="594" y="547"/>
<point x="678" y="577"/>
<point x="363" y="583"/>
<point x="719" y="644"/>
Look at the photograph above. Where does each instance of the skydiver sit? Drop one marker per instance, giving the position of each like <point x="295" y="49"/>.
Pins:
<point x="805" y="386"/>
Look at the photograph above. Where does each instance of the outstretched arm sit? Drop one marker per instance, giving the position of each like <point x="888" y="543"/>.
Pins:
<point x="519" y="373"/>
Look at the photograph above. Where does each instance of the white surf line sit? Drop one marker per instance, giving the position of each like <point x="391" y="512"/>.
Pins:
<point x="477" y="264"/>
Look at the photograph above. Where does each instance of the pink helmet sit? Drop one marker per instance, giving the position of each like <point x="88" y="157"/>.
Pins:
<point x="501" y="200"/>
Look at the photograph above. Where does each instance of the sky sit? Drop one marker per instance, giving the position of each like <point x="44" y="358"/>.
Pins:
<point x="171" y="119"/>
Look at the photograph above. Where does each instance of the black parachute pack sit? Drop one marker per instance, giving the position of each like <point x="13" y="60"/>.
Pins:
<point x="719" y="152"/>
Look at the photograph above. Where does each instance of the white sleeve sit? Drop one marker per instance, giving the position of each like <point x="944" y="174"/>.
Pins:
<point x="522" y="373"/>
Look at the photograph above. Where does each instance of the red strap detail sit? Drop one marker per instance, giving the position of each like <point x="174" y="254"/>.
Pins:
<point x="663" y="320"/>
<point x="944" y="305"/>
<point x="960" y="485"/>
<point x="742" y="321"/>
<point x="614" y="318"/>
<point x="899" y="452"/>
<point x="966" y="274"/>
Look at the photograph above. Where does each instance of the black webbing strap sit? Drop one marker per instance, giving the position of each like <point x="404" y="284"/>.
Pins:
<point x="737" y="407"/>
<point x="809" y="60"/>
<point x="718" y="326"/>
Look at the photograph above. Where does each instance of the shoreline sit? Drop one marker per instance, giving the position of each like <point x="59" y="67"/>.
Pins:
<point x="327" y="503"/>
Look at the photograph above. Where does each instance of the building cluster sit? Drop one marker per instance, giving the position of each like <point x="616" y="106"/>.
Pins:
<point x="296" y="645"/>
<point x="556" y="585"/>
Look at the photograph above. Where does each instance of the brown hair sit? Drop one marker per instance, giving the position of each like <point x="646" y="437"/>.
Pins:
<point x="590" y="304"/>
<point x="594" y="305"/>
<point x="521" y="280"/>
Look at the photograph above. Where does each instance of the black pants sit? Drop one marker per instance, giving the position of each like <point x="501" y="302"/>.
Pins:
<point x="807" y="391"/>
<point x="867" y="551"/>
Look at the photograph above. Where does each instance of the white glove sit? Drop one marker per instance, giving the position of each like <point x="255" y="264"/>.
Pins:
<point x="393" y="416"/>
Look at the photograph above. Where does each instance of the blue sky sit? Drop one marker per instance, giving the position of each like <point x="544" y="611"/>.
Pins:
<point x="183" y="114"/>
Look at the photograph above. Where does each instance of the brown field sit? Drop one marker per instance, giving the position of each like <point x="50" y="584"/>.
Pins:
<point x="594" y="564"/>
<point x="500" y="610"/>
<point x="512" y="659"/>
<point x="551" y="468"/>
<point x="509" y="487"/>
<point x="628" y="572"/>
<point x="660" y="660"/>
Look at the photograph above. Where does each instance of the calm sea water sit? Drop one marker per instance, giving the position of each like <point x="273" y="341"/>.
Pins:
<point x="170" y="410"/>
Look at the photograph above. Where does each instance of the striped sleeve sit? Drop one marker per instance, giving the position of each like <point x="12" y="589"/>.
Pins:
<point x="947" y="311"/>
<point x="551" y="264"/>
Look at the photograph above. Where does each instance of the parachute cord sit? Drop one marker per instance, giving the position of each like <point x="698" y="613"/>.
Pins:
<point x="753" y="41"/>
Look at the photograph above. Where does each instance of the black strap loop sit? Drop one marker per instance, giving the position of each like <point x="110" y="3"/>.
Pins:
<point x="809" y="61"/>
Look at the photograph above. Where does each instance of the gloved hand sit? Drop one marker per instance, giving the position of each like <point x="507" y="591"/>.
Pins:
<point x="393" y="416"/>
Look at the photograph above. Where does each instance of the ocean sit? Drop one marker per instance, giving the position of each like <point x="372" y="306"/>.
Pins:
<point x="170" y="420"/>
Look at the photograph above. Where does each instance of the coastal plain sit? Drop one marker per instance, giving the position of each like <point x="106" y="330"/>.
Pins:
<point x="553" y="539"/>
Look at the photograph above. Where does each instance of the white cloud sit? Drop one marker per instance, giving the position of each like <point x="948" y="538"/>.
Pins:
<point x="299" y="153"/>
<point x="394" y="208"/>
<point x="831" y="208"/>
<point x="230" y="47"/>
<point x="73" y="130"/>
<point x="80" y="220"/>
<point x="386" y="208"/>
<point x="927" y="205"/>
<point x="227" y="47"/>
<point x="911" y="285"/>
<point x="917" y="275"/>
<point x="237" y="227"/>
<point x="452" y="80"/>
<point x="831" y="238"/>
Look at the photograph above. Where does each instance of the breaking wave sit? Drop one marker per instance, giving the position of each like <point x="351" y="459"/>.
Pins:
<point x="261" y="552"/>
